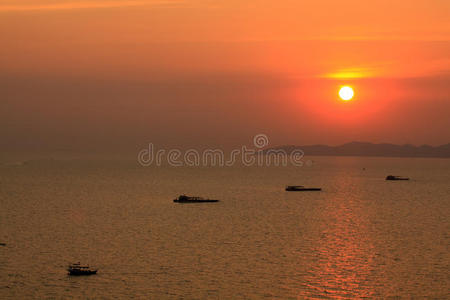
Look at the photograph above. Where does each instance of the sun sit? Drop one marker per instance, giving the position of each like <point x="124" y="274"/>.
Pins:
<point x="346" y="93"/>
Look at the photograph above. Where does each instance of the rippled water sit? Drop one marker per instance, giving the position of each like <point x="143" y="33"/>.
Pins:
<point x="361" y="236"/>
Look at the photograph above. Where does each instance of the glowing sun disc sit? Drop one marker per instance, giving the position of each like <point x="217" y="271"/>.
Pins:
<point x="346" y="93"/>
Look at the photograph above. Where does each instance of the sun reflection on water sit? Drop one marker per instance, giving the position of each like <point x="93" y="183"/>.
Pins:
<point x="343" y="254"/>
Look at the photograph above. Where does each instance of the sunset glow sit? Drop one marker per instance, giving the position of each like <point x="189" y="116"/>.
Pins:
<point x="70" y="64"/>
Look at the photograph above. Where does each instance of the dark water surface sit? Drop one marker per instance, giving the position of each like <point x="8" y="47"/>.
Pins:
<point x="361" y="236"/>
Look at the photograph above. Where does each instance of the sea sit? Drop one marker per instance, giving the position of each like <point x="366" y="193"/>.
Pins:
<point x="360" y="237"/>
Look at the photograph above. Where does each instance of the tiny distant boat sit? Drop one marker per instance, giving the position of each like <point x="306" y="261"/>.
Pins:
<point x="77" y="269"/>
<point x="2" y="244"/>
<point x="300" y="188"/>
<point x="187" y="199"/>
<point x="392" y="177"/>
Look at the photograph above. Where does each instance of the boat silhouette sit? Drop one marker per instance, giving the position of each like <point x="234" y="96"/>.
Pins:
<point x="77" y="269"/>
<point x="188" y="199"/>
<point x="300" y="188"/>
<point x="392" y="177"/>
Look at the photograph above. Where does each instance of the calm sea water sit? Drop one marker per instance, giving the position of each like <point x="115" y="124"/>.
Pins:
<point x="360" y="237"/>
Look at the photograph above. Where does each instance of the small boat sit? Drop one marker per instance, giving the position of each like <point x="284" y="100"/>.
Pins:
<point x="300" y="188"/>
<point x="77" y="269"/>
<point x="392" y="177"/>
<point x="187" y="199"/>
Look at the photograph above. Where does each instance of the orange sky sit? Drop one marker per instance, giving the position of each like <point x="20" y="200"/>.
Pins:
<point x="124" y="73"/>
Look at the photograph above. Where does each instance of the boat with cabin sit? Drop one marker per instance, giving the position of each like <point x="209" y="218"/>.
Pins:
<point x="77" y="269"/>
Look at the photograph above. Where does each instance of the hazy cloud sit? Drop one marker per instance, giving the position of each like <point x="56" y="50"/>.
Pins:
<point x="84" y="5"/>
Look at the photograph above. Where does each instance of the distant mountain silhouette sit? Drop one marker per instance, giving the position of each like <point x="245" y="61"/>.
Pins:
<point x="369" y="149"/>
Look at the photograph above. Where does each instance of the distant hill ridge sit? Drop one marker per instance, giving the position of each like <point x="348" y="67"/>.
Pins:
<point x="370" y="149"/>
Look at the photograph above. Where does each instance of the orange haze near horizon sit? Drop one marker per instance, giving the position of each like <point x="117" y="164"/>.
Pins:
<point x="100" y="74"/>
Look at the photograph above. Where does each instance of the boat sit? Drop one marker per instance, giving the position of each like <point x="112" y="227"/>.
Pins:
<point x="392" y="177"/>
<point x="300" y="188"/>
<point x="77" y="269"/>
<point x="187" y="199"/>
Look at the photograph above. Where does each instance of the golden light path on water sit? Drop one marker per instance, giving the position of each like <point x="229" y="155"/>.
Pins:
<point x="344" y="250"/>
